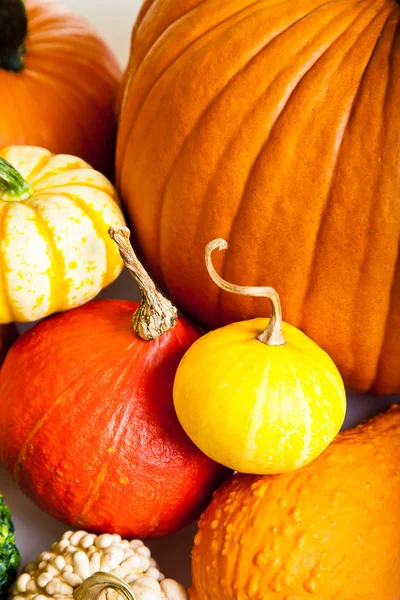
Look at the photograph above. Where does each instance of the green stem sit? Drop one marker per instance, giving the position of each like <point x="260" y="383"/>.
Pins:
<point x="13" y="31"/>
<point x="13" y="187"/>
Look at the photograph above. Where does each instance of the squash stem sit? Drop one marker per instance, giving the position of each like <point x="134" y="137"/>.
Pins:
<point x="13" y="187"/>
<point x="95" y="586"/>
<point x="13" y="31"/>
<point x="155" y="315"/>
<point x="272" y="335"/>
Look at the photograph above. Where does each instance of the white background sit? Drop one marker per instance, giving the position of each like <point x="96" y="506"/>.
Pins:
<point x="35" y="530"/>
<point x="113" y="19"/>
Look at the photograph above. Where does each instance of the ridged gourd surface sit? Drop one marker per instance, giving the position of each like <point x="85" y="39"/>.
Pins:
<point x="272" y="125"/>
<point x="55" y="252"/>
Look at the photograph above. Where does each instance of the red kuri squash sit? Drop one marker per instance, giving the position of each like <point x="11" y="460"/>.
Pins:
<point x="58" y="82"/>
<point x="273" y="125"/>
<point x="89" y="427"/>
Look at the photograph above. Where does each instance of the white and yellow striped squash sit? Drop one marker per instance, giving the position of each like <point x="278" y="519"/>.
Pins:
<point x="55" y="252"/>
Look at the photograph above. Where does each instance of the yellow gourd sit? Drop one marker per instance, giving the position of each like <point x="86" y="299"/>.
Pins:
<point x="55" y="251"/>
<point x="258" y="396"/>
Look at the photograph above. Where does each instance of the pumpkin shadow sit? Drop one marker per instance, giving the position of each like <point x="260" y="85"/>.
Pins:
<point x="361" y="407"/>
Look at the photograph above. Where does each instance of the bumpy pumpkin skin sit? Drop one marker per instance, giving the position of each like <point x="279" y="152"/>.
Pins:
<point x="66" y="221"/>
<point x="64" y="97"/>
<point x="8" y="334"/>
<point x="92" y="435"/>
<point x="330" y="530"/>
<point x="270" y="125"/>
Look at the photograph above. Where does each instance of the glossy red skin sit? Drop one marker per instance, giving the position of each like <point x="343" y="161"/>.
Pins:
<point x="89" y="429"/>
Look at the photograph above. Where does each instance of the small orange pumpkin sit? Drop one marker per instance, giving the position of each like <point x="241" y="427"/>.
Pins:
<point x="58" y="82"/>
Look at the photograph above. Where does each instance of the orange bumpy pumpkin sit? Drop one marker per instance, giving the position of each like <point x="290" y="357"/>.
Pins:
<point x="58" y="82"/>
<point x="271" y="124"/>
<point x="329" y="530"/>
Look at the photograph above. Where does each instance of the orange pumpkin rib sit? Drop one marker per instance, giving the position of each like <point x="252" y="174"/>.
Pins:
<point x="155" y="209"/>
<point x="157" y="63"/>
<point x="161" y="70"/>
<point x="371" y="304"/>
<point x="388" y="376"/>
<point x="326" y="213"/>
<point x="300" y="293"/>
<point x="294" y="294"/>
<point x="215" y="225"/>
<point x="375" y="212"/>
<point x="378" y="210"/>
<point x="67" y="77"/>
<point x="389" y="369"/>
<point x="150" y="27"/>
<point x="277" y="161"/>
<point x="208" y="108"/>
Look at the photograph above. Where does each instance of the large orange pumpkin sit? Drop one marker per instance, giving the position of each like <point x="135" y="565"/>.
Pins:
<point x="58" y="82"/>
<point x="273" y="125"/>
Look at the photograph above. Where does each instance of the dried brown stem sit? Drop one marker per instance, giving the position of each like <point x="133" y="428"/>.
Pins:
<point x="155" y="315"/>
<point x="272" y="335"/>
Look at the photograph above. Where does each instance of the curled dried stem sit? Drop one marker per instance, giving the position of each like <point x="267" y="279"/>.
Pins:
<point x="272" y="335"/>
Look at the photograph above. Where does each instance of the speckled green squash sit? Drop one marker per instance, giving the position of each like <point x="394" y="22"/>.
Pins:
<point x="9" y="555"/>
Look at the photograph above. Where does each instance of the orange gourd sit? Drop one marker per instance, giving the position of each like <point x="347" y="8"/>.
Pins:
<point x="8" y="334"/>
<point x="329" y="530"/>
<point x="58" y="82"/>
<point x="271" y="125"/>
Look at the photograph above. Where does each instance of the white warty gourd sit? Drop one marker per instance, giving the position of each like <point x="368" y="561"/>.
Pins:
<point x="79" y="554"/>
